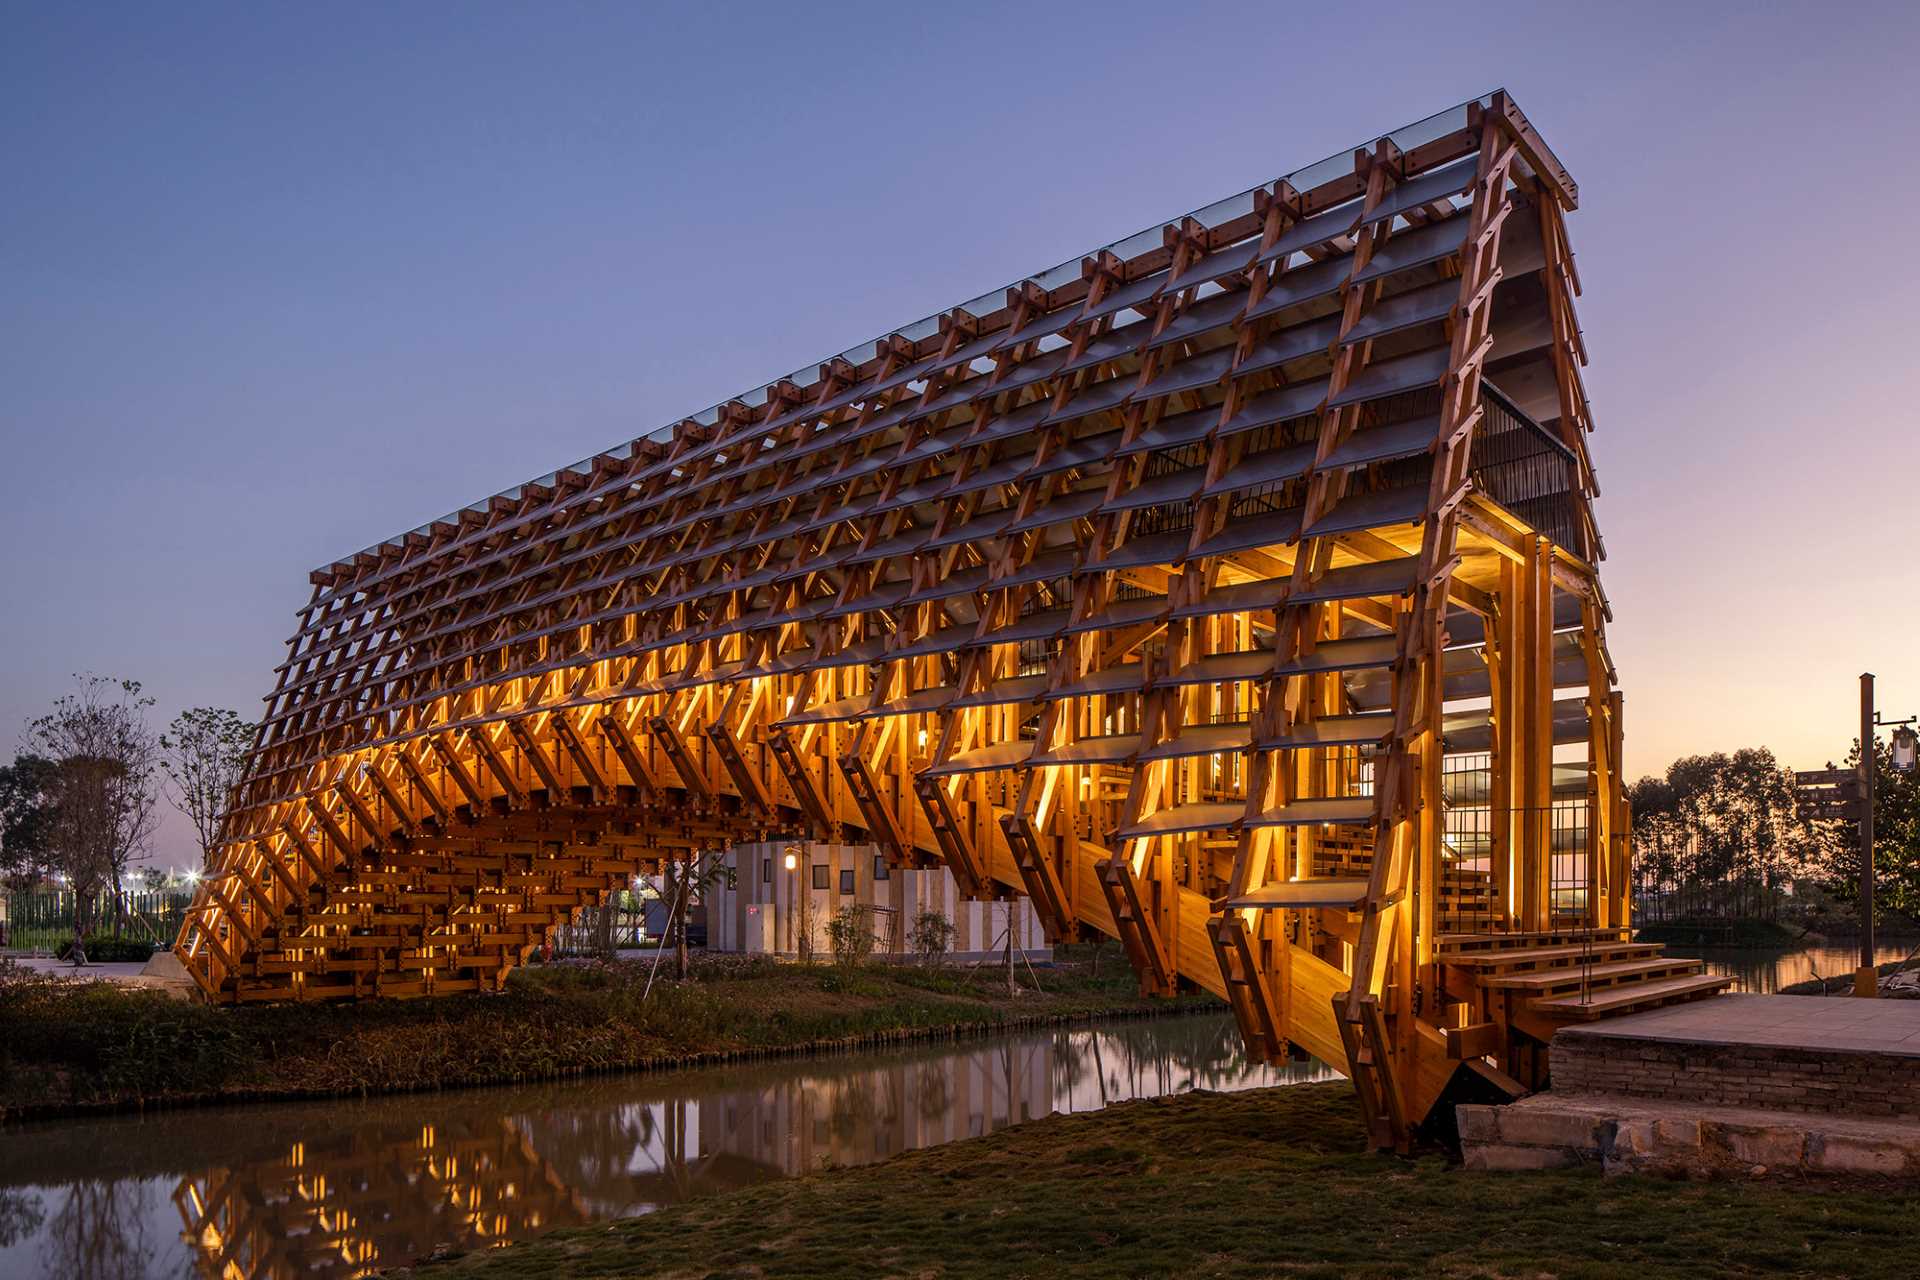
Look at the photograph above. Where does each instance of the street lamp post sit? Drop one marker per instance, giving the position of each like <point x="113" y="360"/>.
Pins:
<point x="1866" y="979"/>
<point x="803" y="906"/>
<point x="792" y="864"/>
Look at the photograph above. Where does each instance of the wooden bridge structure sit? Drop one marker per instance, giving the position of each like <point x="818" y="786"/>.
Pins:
<point x="1230" y="591"/>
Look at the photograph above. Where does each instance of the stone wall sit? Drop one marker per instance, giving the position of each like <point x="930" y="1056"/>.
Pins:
<point x="1551" y="1131"/>
<point x="1762" y="1076"/>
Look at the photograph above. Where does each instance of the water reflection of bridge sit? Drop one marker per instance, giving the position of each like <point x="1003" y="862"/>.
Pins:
<point x="340" y="1205"/>
<point x="377" y="1196"/>
<point x="324" y="1190"/>
<point x="780" y="1120"/>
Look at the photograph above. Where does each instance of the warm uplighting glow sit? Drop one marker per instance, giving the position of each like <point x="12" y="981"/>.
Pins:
<point x="792" y="862"/>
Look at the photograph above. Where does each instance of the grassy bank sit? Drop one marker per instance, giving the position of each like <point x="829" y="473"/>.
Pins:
<point x="1255" y="1184"/>
<point x="70" y="1048"/>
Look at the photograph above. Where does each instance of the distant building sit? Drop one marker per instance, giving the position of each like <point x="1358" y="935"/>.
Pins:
<point x="772" y="907"/>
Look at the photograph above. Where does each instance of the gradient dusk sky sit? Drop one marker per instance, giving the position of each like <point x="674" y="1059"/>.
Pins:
<point x="282" y="281"/>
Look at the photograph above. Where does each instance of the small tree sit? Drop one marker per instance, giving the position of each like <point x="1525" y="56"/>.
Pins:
<point x="850" y="933"/>
<point x="680" y="881"/>
<point x="1896" y="841"/>
<point x="204" y="752"/>
<point x="26" y="819"/>
<point x="102" y="790"/>
<point x="930" y="937"/>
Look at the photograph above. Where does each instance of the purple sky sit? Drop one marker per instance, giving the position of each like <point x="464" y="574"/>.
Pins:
<point x="281" y="282"/>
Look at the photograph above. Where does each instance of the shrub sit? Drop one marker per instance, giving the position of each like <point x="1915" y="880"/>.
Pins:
<point x="931" y="936"/>
<point x="106" y="949"/>
<point x="850" y="933"/>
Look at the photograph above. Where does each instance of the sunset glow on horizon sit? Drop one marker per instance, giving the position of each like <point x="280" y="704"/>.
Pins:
<point x="300" y="282"/>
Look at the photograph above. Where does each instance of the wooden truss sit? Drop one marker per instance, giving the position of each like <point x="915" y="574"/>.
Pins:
<point x="1164" y="594"/>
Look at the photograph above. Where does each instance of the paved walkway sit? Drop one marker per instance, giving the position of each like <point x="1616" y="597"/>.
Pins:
<point x="124" y="973"/>
<point x="1840" y="1024"/>
<point x="118" y="971"/>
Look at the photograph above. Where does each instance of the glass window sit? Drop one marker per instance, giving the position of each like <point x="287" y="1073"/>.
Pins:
<point x="846" y="881"/>
<point x="819" y="875"/>
<point x="880" y="866"/>
<point x="766" y="871"/>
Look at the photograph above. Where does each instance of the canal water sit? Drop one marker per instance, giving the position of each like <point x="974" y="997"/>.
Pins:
<point x="1765" y="972"/>
<point x="320" y="1190"/>
<point x="334" y="1189"/>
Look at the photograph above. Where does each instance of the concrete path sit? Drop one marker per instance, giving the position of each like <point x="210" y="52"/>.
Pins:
<point x="1841" y="1024"/>
<point x="161" y="973"/>
<point x="116" y="971"/>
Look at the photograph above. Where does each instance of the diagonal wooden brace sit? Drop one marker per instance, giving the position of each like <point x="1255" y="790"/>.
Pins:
<point x="631" y="754"/>
<point x="457" y="770"/>
<point x="1256" y="1008"/>
<point x="425" y="788"/>
<point x="496" y="764"/>
<point x="752" y="790"/>
<point x="969" y="871"/>
<point x="583" y="759"/>
<point x="543" y="768"/>
<point x="883" y="825"/>
<point x="1134" y="923"/>
<point x="1040" y="876"/>
<point x="806" y="791"/>
<point x="667" y="734"/>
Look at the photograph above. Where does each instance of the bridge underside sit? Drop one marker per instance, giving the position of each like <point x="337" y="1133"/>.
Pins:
<point x="1235" y="599"/>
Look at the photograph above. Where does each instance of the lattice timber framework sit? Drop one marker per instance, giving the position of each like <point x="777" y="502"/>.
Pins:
<point x="1230" y="592"/>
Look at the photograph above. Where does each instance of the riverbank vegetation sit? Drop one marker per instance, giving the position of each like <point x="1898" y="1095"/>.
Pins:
<point x="1723" y="854"/>
<point x="1718" y="839"/>
<point x="72" y="1047"/>
<point x="1753" y="935"/>
<point x="1268" y="1182"/>
<point x="1842" y="983"/>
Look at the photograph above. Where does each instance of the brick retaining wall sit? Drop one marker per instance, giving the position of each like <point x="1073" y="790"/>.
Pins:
<point x="1746" y="1075"/>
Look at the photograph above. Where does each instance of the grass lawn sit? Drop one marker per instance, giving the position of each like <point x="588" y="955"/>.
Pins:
<point x="74" y="1046"/>
<point x="1267" y="1183"/>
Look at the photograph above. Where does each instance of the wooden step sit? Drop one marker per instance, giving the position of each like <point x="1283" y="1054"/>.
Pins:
<point x="1447" y="885"/>
<point x="1362" y="863"/>
<point x="1520" y="958"/>
<point x="1575" y="976"/>
<point x="1315" y="811"/>
<point x="1304" y="894"/>
<point x="1331" y="731"/>
<point x="1455" y="943"/>
<point x="1631" y="997"/>
<point x="1183" y="818"/>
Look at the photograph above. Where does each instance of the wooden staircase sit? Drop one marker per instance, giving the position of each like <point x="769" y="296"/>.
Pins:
<point x="1530" y="984"/>
<point x="1465" y="893"/>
